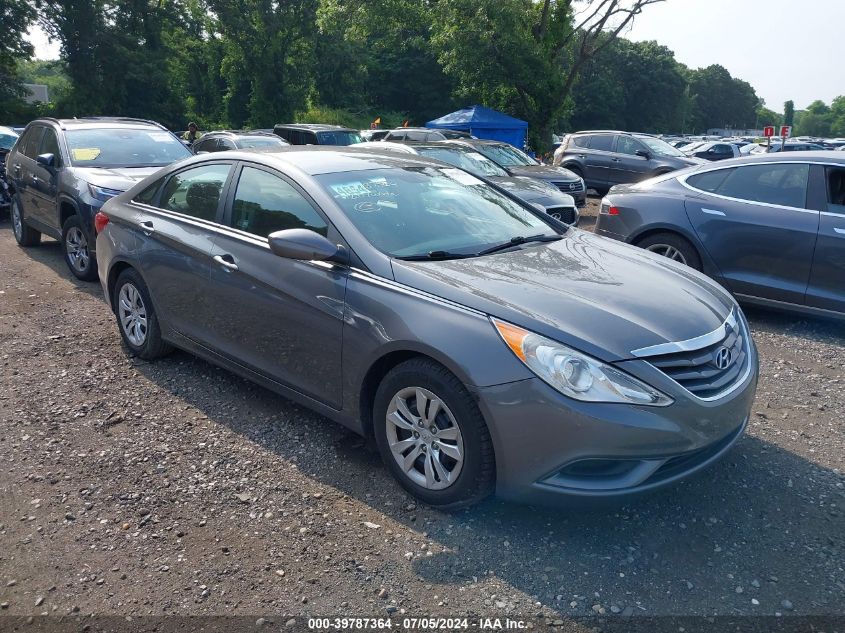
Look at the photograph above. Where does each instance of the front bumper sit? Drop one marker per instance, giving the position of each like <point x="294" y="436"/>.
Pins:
<point x="550" y="448"/>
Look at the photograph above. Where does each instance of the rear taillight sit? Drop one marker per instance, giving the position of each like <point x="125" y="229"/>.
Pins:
<point x="100" y="221"/>
<point x="613" y="211"/>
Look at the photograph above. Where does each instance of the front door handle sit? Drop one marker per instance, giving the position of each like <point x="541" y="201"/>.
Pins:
<point x="615" y="160"/>
<point x="147" y="227"/>
<point x="17" y="168"/>
<point x="227" y="261"/>
<point x="34" y="179"/>
<point x="712" y="211"/>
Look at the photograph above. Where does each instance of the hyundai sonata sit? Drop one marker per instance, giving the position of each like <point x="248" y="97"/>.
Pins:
<point x="485" y="346"/>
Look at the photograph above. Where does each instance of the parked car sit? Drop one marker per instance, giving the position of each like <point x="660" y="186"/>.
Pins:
<point x="606" y="158"/>
<point x="243" y="139"/>
<point x="317" y="134"/>
<point x="770" y="228"/>
<point x="560" y="206"/>
<point x="424" y="134"/>
<point x="789" y="146"/>
<point x="61" y="171"/>
<point x="518" y="163"/>
<point x="713" y="150"/>
<point x="373" y="135"/>
<point x="484" y="345"/>
<point x="7" y="139"/>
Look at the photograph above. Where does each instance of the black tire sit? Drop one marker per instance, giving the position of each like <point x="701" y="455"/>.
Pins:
<point x="661" y="243"/>
<point x="24" y="234"/>
<point x="575" y="170"/>
<point x="477" y="476"/>
<point x="152" y="346"/>
<point x="77" y="250"/>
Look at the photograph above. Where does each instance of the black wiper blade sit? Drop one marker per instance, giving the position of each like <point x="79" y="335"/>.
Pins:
<point x="516" y="241"/>
<point x="435" y="256"/>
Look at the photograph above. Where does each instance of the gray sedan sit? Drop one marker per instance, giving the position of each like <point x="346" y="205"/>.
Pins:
<point x="485" y="346"/>
<point x="770" y="228"/>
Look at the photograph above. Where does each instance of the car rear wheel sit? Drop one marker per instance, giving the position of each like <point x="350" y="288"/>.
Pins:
<point x="136" y="317"/>
<point x="25" y="235"/>
<point x="77" y="252"/>
<point x="673" y="247"/>
<point x="432" y="436"/>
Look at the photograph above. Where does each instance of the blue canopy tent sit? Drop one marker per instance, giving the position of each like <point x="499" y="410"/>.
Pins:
<point x="484" y="123"/>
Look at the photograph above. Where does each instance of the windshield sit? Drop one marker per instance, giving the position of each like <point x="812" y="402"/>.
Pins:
<point x="124" y="147"/>
<point x="506" y="155"/>
<point x="339" y="137"/>
<point x="7" y="140"/>
<point x="660" y="147"/>
<point x="415" y="211"/>
<point x="247" y="142"/>
<point x="473" y="162"/>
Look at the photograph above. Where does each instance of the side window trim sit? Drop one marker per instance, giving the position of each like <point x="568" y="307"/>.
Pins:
<point x="232" y="184"/>
<point x="218" y="215"/>
<point x="803" y="209"/>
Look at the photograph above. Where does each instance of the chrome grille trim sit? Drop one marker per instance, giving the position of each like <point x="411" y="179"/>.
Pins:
<point x="690" y="345"/>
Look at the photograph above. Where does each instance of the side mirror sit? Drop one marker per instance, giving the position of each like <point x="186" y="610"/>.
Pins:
<point x="644" y="153"/>
<point x="306" y="245"/>
<point x="47" y="160"/>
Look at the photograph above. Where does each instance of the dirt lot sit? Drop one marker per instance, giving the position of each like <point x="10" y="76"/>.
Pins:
<point x="176" y="488"/>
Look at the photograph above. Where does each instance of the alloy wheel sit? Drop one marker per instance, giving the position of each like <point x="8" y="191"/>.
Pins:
<point x="424" y="438"/>
<point x="666" y="250"/>
<point x="17" y="221"/>
<point x="76" y="247"/>
<point x="132" y="314"/>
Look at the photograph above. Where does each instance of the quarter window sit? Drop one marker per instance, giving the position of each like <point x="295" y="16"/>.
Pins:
<point x="581" y="141"/>
<point x="148" y="195"/>
<point x="196" y="192"/>
<point x="780" y="184"/>
<point x="265" y="203"/>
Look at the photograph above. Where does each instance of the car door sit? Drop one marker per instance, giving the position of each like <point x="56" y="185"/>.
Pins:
<point x="175" y="233"/>
<point x="45" y="180"/>
<point x="282" y="318"/>
<point x="826" y="288"/>
<point x="755" y="224"/>
<point x="598" y="158"/>
<point x="20" y="170"/>
<point x="627" y="166"/>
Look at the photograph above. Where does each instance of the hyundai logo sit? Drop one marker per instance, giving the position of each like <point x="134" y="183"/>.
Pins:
<point x="724" y="358"/>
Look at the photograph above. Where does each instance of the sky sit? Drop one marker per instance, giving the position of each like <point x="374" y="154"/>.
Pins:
<point x="786" y="49"/>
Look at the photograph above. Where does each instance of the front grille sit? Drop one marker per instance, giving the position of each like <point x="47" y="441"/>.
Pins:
<point x="564" y="214"/>
<point x="569" y="187"/>
<point x="712" y="368"/>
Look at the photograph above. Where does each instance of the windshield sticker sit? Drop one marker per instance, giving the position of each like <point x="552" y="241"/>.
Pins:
<point x="478" y="156"/>
<point x="375" y="188"/>
<point x="85" y="153"/>
<point x="160" y="137"/>
<point x="461" y="177"/>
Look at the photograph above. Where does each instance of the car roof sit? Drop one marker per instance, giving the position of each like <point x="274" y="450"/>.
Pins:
<point x="817" y="156"/>
<point x="472" y="142"/>
<point x="100" y="122"/>
<point x="241" y="133"/>
<point x="314" y="160"/>
<point x="314" y="127"/>
<point x="8" y="130"/>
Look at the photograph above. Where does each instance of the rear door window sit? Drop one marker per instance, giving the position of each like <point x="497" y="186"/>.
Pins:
<point x="602" y="142"/>
<point x="31" y="140"/>
<point x="709" y="181"/>
<point x="581" y="141"/>
<point x="780" y="184"/>
<point x="196" y="192"/>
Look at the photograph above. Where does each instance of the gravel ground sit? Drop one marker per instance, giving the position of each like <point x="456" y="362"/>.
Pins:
<point x="131" y="488"/>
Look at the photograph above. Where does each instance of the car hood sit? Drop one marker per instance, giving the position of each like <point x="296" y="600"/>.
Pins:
<point x="691" y="160"/>
<point x="119" y="179"/>
<point x="597" y="295"/>
<point x="533" y="190"/>
<point x="545" y="172"/>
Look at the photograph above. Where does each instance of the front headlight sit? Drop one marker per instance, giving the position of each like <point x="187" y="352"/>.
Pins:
<point x="103" y="193"/>
<point x="575" y="374"/>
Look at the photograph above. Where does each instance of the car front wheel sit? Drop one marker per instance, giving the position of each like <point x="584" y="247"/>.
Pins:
<point x="432" y="436"/>
<point x="77" y="251"/>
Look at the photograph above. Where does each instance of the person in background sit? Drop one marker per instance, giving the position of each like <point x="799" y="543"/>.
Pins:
<point x="193" y="134"/>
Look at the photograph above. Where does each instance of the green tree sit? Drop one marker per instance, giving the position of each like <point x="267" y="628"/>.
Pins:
<point x="16" y="17"/>
<point x="789" y="113"/>
<point x="720" y="100"/>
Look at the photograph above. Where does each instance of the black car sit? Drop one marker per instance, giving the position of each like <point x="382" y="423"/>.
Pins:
<point x="317" y="134"/>
<point x="604" y="158"/>
<point x="770" y="227"/>
<point x="713" y="150"/>
<point x="423" y="134"/>
<point x="518" y="163"/>
<point x="61" y="171"/>
<point x="232" y="139"/>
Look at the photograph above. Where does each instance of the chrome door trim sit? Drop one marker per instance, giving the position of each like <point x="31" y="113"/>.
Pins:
<point x="712" y="212"/>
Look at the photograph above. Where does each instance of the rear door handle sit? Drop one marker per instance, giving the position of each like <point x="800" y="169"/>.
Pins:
<point x="34" y="179"/>
<point x="615" y="160"/>
<point x="227" y="261"/>
<point x="840" y="231"/>
<point x="712" y="211"/>
<point x="147" y="227"/>
<point x="17" y="168"/>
